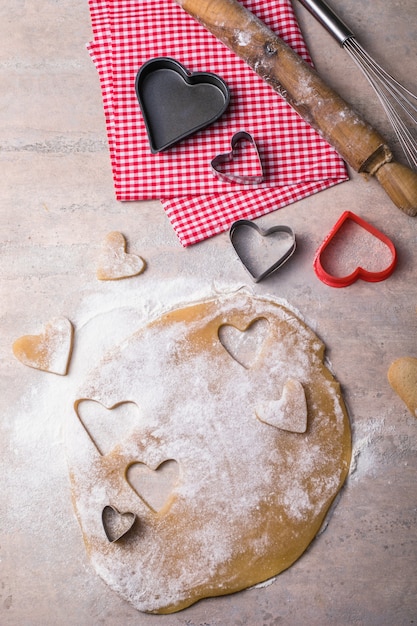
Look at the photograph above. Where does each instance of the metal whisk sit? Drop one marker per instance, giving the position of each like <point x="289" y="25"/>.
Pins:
<point x="399" y="103"/>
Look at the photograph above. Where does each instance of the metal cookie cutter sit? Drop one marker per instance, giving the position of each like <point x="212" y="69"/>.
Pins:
<point x="228" y="157"/>
<point x="176" y="103"/>
<point x="116" y="525"/>
<point x="262" y="251"/>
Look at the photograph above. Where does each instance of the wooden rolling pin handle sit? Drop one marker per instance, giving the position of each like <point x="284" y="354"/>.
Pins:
<point x="360" y="145"/>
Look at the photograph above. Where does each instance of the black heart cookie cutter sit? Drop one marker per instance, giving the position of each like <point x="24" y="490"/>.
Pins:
<point x="249" y="254"/>
<point x="176" y="103"/>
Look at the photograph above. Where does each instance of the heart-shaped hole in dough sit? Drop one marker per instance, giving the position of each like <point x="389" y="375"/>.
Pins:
<point x="289" y="412"/>
<point x="108" y="427"/>
<point x="244" y="346"/>
<point x="154" y="485"/>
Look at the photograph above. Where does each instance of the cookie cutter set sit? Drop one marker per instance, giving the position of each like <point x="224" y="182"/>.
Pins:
<point x="282" y="243"/>
<point x="175" y="104"/>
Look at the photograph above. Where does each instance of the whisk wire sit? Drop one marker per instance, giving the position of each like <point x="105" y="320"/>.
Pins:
<point x="392" y="95"/>
<point x="399" y="103"/>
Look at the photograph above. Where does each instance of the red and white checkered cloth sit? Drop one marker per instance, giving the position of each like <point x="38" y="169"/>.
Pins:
<point x="297" y="161"/>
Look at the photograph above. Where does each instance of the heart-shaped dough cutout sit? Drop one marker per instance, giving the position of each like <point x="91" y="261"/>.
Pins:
<point x="108" y="427"/>
<point x="50" y="351"/>
<point x="262" y="251"/>
<point x="116" y="525"/>
<point x="354" y="249"/>
<point x="244" y="346"/>
<point x="242" y="164"/>
<point x="154" y="486"/>
<point x="114" y="262"/>
<point x="402" y="376"/>
<point x="176" y="103"/>
<point x="289" y="412"/>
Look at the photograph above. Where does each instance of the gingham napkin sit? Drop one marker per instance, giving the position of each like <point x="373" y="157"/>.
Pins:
<point x="297" y="161"/>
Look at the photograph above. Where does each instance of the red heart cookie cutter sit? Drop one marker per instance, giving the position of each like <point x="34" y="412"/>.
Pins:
<point x="329" y="262"/>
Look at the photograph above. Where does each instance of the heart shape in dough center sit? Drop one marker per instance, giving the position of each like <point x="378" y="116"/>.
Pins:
<point x="153" y="486"/>
<point x="108" y="427"/>
<point x="244" y="346"/>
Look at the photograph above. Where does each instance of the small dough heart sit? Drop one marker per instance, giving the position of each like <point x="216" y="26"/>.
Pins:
<point x="402" y="376"/>
<point x="289" y="412"/>
<point x="114" y="262"/>
<point x="116" y="524"/>
<point x="50" y="351"/>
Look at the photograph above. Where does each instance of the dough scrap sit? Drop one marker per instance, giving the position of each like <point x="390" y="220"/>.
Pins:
<point x="114" y="262"/>
<point x="248" y="498"/>
<point x="402" y="376"/>
<point x="50" y="351"/>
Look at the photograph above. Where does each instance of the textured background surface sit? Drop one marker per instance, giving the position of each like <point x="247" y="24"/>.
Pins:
<point x="57" y="203"/>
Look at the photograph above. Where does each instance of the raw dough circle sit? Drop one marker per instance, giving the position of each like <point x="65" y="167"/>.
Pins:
<point x="244" y="492"/>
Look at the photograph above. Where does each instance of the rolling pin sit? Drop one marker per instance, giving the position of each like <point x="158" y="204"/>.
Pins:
<point x="360" y="145"/>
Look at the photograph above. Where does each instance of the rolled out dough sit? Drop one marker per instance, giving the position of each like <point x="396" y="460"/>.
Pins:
<point x="246" y="493"/>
